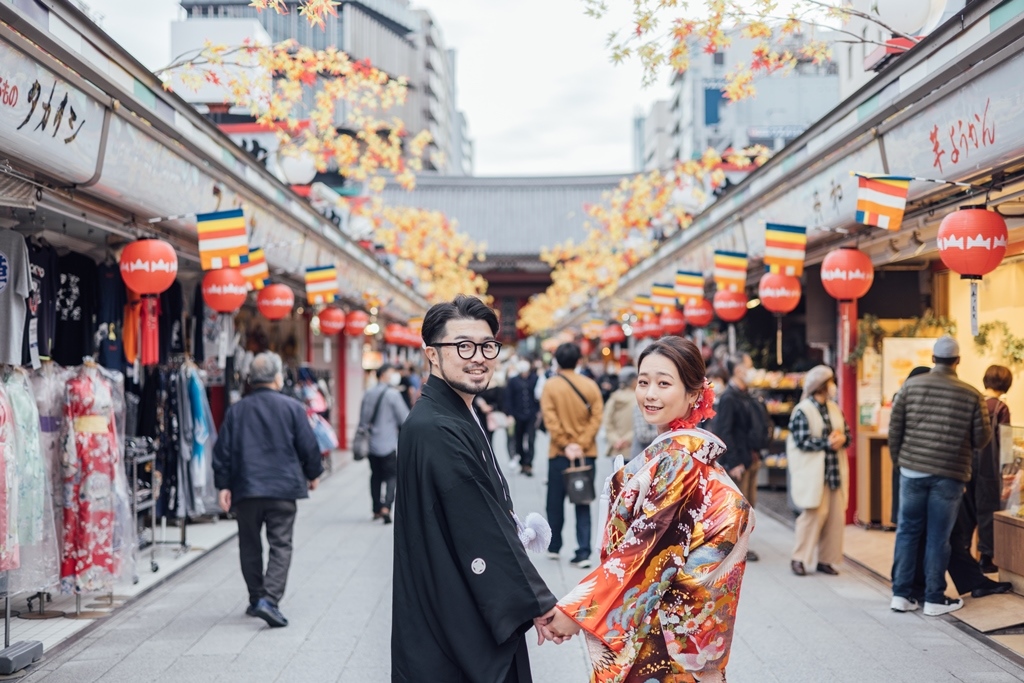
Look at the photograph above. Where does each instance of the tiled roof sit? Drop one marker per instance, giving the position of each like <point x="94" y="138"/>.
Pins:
<point x="514" y="216"/>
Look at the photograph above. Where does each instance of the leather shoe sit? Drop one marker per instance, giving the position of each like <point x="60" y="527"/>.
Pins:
<point x="250" y="611"/>
<point x="798" y="568"/>
<point x="987" y="567"/>
<point x="992" y="588"/>
<point x="827" y="569"/>
<point x="752" y="556"/>
<point x="268" y="612"/>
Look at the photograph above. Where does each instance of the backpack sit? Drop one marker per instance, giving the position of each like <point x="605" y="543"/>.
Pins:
<point x="762" y="428"/>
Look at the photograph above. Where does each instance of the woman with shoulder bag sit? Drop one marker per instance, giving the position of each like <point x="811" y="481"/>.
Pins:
<point x="819" y="474"/>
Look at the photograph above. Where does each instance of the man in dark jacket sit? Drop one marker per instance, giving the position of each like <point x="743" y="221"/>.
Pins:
<point x="522" y="404"/>
<point x="265" y="459"/>
<point x="937" y="422"/>
<point x="733" y="425"/>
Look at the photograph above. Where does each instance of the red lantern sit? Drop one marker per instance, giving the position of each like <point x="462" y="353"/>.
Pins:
<point x="356" y="322"/>
<point x="149" y="266"/>
<point x="224" y="290"/>
<point x="586" y="347"/>
<point x="613" y="334"/>
<point x="698" y="312"/>
<point x="847" y="274"/>
<point x="641" y="329"/>
<point x="275" y="301"/>
<point x="654" y="328"/>
<point x="972" y="241"/>
<point x="779" y="293"/>
<point x="672" y="321"/>
<point x="393" y="334"/>
<point x="332" y="321"/>
<point x="730" y="306"/>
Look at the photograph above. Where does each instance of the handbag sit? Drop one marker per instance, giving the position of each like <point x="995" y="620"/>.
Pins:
<point x="361" y="440"/>
<point x="579" y="482"/>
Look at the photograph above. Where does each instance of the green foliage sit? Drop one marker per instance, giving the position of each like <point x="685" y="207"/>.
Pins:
<point x="870" y="332"/>
<point x="1012" y="348"/>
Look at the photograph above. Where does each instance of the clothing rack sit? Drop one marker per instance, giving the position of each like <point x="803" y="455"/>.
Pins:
<point x="140" y="451"/>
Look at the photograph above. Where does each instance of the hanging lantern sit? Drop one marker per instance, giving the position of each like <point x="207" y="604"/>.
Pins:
<point x="972" y="242"/>
<point x="847" y="274"/>
<point x="672" y="321"/>
<point x="613" y="334"/>
<point x="356" y="322"/>
<point x="224" y="290"/>
<point x="730" y="306"/>
<point x="586" y="347"/>
<point x="698" y="312"/>
<point x="779" y="293"/>
<point x="332" y="321"/>
<point x="393" y="334"/>
<point x="654" y="328"/>
<point x="149" y="266"/>
<point x="275" y="301"/>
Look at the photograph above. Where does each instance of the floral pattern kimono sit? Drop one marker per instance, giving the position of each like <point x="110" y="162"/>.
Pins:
<point x="9" y="557"/>
<point x="661" y="605"/>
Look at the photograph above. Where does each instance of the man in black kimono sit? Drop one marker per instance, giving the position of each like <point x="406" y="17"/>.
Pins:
<point x="465" y="592"/>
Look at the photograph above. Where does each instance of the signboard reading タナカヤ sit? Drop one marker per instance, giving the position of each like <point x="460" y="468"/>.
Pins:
<point x="45" y="121"/>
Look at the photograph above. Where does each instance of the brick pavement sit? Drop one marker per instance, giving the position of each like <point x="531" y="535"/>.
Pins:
<point x="815" y="629"/>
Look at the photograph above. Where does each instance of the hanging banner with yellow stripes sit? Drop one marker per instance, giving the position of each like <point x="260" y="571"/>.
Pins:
<point x="256" y="271"/>
<point x="223" y="242"/>
<point x="642" y="304"/>
<point x="881" y="200"/>
<point x="689" y="286"/>
<point x="663" y="297"/>
<point x="730" y="271"/>
<point x="784" y="248"/>
<point x="321" y="284"/>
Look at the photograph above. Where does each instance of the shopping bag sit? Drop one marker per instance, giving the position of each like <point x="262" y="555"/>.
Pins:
<point x="579" y="483"/>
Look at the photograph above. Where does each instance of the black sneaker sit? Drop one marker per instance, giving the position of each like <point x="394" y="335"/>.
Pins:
<point x="752" y="556"/>
<point x="581" y="563"/>
<point x="268" y="612"/>
<point x="250" y="611"/>
<point x="991" y="587"/>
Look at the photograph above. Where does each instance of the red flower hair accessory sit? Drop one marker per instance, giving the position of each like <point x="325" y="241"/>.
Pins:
<point x="703" y="409"/>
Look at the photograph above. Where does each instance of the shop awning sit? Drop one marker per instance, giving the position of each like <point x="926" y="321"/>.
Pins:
<point x="16" y="193"/>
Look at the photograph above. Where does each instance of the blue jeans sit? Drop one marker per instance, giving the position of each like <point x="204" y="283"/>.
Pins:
<point x="928" y="511"/>
<point x="556" y="509"/>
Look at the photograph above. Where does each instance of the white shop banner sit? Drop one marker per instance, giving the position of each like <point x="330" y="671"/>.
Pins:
<point x="978" y="126"/>
<point x="45" y="121"/>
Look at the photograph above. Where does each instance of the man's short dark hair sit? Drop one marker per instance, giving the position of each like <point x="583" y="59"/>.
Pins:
<point x="567" y="356"/>
<point x="463" y="307"/>
<point x="383" y="368"/>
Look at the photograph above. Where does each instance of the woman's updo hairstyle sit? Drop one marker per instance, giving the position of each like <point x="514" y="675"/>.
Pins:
<point x="684" y="354"/>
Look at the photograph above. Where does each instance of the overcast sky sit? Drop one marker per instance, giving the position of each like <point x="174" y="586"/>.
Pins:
<point x="533" y="76"/>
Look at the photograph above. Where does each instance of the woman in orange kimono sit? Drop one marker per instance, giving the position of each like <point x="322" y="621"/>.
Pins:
<point x="661" y="605"/>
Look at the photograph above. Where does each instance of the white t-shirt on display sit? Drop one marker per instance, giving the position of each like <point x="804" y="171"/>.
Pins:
<point x="15" y="287"/>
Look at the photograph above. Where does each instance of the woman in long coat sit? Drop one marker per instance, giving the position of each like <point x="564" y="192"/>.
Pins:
<point x="662" y="604"/>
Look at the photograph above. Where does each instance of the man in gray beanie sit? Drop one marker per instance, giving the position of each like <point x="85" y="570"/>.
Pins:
<point x="937" y="422"/>
<point x="265" y="459"/>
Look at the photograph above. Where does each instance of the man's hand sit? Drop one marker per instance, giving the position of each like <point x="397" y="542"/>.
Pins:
<point x="574" y="451"/>
<point x="737" y="472"/>
<point x="544" y="632"/>
<point x="224" y="498"/>
<point x="562" y="626"/>
<point x="313" y="484"/>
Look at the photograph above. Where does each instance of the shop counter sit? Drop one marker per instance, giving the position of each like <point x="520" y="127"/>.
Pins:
<point x="874" y="480"/>
<point x="1008" y="532"/>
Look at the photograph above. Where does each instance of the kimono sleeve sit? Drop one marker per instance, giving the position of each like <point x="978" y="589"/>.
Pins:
<point x="646" y="551"/>
<point x="492" y="561"/>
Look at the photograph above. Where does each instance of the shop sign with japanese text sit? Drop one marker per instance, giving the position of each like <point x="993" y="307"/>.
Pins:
<point x="45" y="121"/>
<point x="976" y="127"/>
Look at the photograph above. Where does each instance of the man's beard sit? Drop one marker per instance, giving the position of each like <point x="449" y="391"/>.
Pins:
<point x="461" y="386"/>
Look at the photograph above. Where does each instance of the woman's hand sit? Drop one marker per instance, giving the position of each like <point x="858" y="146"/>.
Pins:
<point x="561" y="625"/>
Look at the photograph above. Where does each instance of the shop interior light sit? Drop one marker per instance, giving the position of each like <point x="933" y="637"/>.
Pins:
<point x="753" y="303"/>
<point x="371" y="329"/>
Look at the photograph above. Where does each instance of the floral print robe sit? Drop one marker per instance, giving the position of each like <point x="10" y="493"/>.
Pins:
<point x="661" y="605"/>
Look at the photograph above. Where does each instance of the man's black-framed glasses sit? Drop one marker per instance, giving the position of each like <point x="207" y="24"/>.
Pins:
<point x="467" y="349"/>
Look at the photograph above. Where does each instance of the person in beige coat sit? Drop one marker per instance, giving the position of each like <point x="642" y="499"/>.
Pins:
<point x="618" y="415"/>
<point x="819" y="474"/>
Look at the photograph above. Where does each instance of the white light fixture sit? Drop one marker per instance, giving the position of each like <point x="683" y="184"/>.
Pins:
<point x="297" y="167"/>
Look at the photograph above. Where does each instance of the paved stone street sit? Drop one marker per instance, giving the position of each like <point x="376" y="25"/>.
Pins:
<point x="193" y="627"/>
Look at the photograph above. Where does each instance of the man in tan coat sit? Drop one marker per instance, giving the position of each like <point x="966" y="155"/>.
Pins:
<point x="618" y="414"/>
<point x="572" y="409"/>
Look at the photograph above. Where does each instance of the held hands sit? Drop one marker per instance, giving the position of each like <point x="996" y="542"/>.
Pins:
<point x="555" y="626"/>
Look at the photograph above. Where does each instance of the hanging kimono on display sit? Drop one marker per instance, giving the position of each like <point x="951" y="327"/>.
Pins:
<point x="48" y="386"/>
<point x="37" y="537"/>
<point x="91" y="457"/>
<point x="8" y="486"/>
<point x="198" y="434"/>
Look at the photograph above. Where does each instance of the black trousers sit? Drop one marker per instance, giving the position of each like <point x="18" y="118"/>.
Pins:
<point x="523" y="439"/>
<point x="556" y="508"/>
<point x="383" y="477"/>
<point x="279" y="518"/>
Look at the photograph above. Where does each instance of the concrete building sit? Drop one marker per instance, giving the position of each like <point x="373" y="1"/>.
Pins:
<point x="389" y="33"/>
<point x="657" y="138"/>
<point x="785" y="105"/>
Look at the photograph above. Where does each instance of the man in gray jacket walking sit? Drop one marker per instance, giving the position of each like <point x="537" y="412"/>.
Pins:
<point x="384" y="410"/>
<point x="937" y="422"/>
